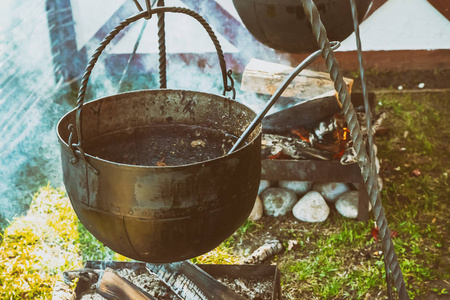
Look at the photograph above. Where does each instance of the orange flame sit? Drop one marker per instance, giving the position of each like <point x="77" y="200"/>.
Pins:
<point x="300" y="132"/>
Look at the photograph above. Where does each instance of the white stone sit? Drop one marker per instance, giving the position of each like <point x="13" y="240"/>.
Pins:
<point x="347" y="204"/>
<point x="263" y="184"/>
<point x="298" y="187"/>
<point x="331" y="191"/>
<point x="278" y="201"/>
<point x="257" y="211"/>
<point x="311" y="208"/>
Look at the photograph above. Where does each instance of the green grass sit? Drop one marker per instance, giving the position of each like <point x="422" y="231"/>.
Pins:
<point x="37" y="247"/>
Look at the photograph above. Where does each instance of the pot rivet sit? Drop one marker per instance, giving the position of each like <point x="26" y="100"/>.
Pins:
<point x="130" y="212"/>
<point x="83" y="199"/>
<point x="144" y="213"/>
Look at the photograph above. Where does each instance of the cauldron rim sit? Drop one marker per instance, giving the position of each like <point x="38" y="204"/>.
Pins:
<point x="162" y="168"/>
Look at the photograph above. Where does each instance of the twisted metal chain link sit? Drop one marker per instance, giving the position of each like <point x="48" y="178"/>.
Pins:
<point x="368" y="171"/>
<point x="162" y="48"/>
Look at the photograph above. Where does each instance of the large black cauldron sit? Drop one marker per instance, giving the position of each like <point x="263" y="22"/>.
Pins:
<point x="282" y="25"/>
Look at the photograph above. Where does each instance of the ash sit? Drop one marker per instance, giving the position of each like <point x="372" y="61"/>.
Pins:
<point x="146" y="281"/>
<point x="252" y="289"/>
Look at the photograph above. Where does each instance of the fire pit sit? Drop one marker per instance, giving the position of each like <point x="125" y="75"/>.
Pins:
<point x="251" y="281"/>
<point x="321" y="170"/>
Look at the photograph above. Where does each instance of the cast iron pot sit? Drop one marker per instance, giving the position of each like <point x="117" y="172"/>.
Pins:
<point x="282" y="25"/>
<point x="159" y="213"/>
<point x="147" y="172"/>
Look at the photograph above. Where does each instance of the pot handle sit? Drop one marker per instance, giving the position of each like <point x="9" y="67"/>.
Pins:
<point x="114" y="32"/>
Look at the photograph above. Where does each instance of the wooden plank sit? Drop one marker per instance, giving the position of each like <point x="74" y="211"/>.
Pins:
<point x="265" y="77"/>
<point x="389" y="60"/>
<point x="443" y="6"/>
<point x="68" y="63"/>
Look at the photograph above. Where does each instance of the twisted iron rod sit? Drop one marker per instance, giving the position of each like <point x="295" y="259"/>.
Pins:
<point x="368" y="171"/>
<point x="372" y="154"/>
<point x="162" y="48"/>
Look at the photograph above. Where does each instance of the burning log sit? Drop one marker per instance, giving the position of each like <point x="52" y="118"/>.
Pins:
<point x="267" y="250"/>
<point x="190" y="282"/>
<point x="114" y="287"/>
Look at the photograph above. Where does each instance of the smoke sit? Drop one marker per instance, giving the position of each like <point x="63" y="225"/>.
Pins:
<point x="28" y="110"/>
<point x="31" y="102"/>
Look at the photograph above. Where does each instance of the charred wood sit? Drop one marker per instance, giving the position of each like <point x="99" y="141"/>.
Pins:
<point x="190" y="282"/>
<point x="114" y="287"/>
<point x="273" y="144"/>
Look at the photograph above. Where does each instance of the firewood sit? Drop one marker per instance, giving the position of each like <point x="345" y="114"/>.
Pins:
<point x="273" y="144"/>
<point x="267" y="250"/>
<point x="62" y="291"/>
<point x="114" y="287"/>
<point x="190" y="282"/>
<point x="265" y="78"/>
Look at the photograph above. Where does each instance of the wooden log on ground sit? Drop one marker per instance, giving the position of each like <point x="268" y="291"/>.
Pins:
<point x="267" y="250"/>
<point x="190" y="282"/>
<point x="265" y="77"/>
<point x="114" y="287"/>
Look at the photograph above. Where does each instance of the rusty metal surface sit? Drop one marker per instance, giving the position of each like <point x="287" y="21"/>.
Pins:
<point x="162" y="214"/>
<point x="309" y="170"/>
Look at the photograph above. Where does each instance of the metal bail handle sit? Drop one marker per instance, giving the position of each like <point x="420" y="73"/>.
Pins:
<point x="110" y="37"/>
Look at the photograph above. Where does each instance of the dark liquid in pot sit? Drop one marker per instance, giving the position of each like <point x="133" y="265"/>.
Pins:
<point x="173" y="145"/>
